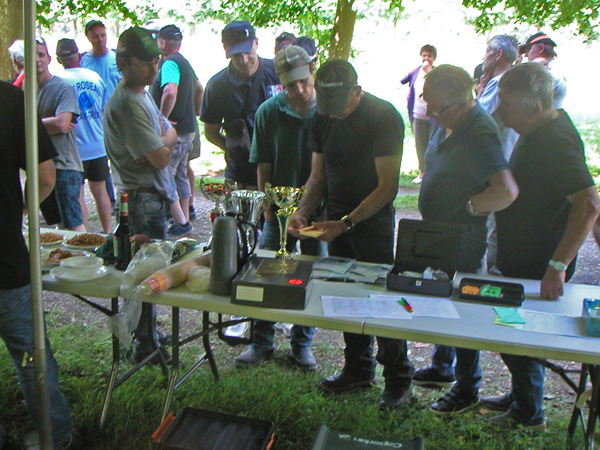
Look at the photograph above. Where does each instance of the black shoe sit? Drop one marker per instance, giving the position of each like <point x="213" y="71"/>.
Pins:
<point x="137" y="357"/>
<point x="192" y="212"/>
<point x="429" y="377"/>
<point x="253" y="356"/>
<point x="303" y="358"/>
<point x="497" y="403"/>
<point x="346" y="381"/>
<point x="394" y="398"/>
<point x="506" y="421"/>
<point x="455" y="402"/>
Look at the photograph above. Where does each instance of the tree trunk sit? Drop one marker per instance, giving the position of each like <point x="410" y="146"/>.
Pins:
<point x="343" y="29"/>
<point x="11" y="28"/>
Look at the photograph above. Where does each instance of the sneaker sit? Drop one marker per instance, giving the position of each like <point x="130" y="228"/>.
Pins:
<point x="253" y="356"/>
<point x="394" y="398"/>
<point x="417" y="180"/>
<point x="429" y="377"/>
<point x="303" y="358"/>
<point x="455" y="402"/>
<point x="497" y="403"/>
<point x="192" y="212"/>
<point x="177" y="230"/>
<point x="346" y="381"/>
<point x="507" y="421"/>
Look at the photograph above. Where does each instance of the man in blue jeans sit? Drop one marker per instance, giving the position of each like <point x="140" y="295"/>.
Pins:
<point x="280" y="148"/>
<point x="16" y="317"/>
<point x="540" y="233"/>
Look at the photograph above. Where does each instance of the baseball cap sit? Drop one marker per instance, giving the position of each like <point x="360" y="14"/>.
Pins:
<point x="170" y="33"/>
<point x="238" y="37"/>
<point x="285" y="39"/>
<point x="334" y="83"/>
<point x="538" y="38"/>
<point x="91" y="24"/>
<point x="136" y="41"/>
<point x="292" y="63"/>
<point x="66" y="47"/>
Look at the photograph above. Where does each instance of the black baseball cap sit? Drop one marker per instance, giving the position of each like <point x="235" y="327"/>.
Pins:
<point x="91" y="24"/>
<point x="66" y="47"/>
<point x="538" y="38"/>
<point x="238" y="37"/>
<point x="136" y="41"/>
<point x="334" y="82"/>
<point x="170" y="33"/>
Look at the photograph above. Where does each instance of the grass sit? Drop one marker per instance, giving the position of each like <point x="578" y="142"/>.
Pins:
<point x="274" y="392"/>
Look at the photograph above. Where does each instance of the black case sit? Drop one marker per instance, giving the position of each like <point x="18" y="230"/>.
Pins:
<point x="423" y="244"/>
<point x="512" y="294"/>
<point x="201" y="429"/>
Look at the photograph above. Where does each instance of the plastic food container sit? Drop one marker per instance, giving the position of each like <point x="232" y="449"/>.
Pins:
<point x="591" y="316"/>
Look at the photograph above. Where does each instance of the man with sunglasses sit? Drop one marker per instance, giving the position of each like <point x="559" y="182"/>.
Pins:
<point x="467" y="178"/>
<point x="232" y="97"/>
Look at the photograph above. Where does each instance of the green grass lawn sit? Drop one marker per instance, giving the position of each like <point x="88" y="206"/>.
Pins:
<point x="275" y="392"/>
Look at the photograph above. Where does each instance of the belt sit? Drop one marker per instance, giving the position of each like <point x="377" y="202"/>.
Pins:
<point x="142" y="190"/>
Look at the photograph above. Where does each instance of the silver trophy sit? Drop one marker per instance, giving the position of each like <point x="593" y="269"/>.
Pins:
<point x="247" y="206"/>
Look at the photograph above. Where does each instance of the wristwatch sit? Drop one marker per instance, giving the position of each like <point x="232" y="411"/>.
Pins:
<point x="348" y="223"/>
<point x="558" y="265"/>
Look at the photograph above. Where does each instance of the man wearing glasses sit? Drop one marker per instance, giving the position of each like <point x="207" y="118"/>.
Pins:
<point x="467" y="178"/>
<point x="232" y="97"/>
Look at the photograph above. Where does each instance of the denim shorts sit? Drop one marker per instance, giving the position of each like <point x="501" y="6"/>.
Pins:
<point x="67" y="188"/>
<point x="178" y="164"/>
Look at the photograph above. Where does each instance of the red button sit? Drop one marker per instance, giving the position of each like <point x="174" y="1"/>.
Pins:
<point x="295" y="281"/>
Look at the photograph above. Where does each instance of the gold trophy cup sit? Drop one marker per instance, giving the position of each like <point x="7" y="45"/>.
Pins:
<point x="287" y="199"/>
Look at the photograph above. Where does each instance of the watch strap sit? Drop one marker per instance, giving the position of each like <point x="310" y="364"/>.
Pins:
<point x="557" y="265"/>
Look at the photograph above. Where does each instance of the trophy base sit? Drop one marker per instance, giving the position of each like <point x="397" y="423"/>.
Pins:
<point x="272" y="283"/>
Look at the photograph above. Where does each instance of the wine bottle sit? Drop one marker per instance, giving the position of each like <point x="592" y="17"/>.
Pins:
<point x="122" y="235"/>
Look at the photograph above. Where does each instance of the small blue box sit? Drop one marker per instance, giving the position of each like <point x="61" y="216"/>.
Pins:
<point x="591" y="315"/>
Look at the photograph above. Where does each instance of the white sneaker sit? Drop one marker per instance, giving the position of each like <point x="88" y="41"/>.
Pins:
<point x="417" y="180"/>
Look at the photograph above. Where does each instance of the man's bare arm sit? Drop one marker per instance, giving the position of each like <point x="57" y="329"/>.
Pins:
<point x="169" y="138"/>
<point x="213" y="134"/>
<point x="60" y="124"/>
<point x="198" y="96"/>
<point x="168" y="99"/>
<point x="501" y="192"/>
<point x="584" y="212"/>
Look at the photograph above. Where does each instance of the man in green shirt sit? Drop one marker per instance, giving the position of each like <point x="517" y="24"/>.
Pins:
<point x="279" y="147"/>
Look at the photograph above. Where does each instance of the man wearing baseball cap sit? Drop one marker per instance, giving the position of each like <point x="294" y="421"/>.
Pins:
<point x="232" y="97"/>
<point x="356" y="139"/>
<point x="90" y="90"/>
<point x="540" y="48"/>
<point x="280" y="148"/>
<point x="139" y="140"/>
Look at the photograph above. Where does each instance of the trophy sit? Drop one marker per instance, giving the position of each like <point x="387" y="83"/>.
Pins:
<point x="215" y="192"/>
<point x="247" y="206"/>
<point x="287" y="199"/>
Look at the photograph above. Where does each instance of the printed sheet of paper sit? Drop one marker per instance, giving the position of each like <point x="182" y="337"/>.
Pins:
<point x="378" y="308"/>
<point x="427" y="306"/>
<point x="542" y="322"/>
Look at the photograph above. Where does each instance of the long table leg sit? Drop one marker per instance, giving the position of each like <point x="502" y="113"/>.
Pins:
<point x="207" y="347"/>
<point x="594" y="405"/>
<point x="175" y="363"/>
<point x="114" y="303"/>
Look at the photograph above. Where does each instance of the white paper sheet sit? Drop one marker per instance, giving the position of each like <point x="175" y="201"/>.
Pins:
<point x="542" y="322"/>
<point x="427" y="306"/>
<point x="363" y="307"/>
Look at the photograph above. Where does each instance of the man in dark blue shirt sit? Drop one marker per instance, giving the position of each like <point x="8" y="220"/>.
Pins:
<point x="232" y="97"/>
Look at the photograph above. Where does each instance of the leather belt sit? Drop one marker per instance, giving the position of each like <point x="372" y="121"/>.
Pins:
<point x="142" y="190"/>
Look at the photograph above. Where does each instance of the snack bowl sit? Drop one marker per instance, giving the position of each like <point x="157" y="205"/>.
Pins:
<point x="82" y="266"/>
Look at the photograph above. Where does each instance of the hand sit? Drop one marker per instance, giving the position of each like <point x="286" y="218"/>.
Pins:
<point x="553" y="284"/>
<point x="269" y="214"/>
<point x="331" y="229"/>
<point x="296" y="222"/>
<point x="70" y="127"/>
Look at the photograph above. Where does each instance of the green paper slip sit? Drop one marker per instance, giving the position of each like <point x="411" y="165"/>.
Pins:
<point x="508" y="315"/>
<point x="497" y="321"/>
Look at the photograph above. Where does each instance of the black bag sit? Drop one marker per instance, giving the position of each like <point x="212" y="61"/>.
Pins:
<point x="237" y="135"/>
<point x="327" y="439"/>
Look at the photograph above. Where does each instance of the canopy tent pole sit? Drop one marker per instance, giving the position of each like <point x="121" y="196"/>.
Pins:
<point x="33" y="200"/>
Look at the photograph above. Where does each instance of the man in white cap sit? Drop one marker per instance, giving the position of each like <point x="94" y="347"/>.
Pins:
<point x="280" y="149"/>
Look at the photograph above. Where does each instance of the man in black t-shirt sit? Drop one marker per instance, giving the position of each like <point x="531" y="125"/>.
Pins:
<point x="540" y="233"/>
<point x="16" y="320"/>
<point x="356" y="141"/>
<point x="228" y="96"/>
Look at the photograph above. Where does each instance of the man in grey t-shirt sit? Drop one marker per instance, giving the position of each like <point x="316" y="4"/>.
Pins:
<point x="58" y="107"/>
<point x="139" y="141"/>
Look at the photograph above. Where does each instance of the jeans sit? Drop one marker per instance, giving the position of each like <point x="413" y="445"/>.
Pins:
<point x="527" y="389"/>
<point x="422" y="129"/>
<point x="67" y="189"/>
<point x="263" y="331"/>
<point x="147" y="215"/>
<point x="16" y="329"/>
<point x="470" y="260"/>
<point x="373" y="241"/>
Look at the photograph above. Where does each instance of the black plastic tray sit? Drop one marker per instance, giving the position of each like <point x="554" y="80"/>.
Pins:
<point x="510" y="294"/>
<point x="201" y="429"/>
